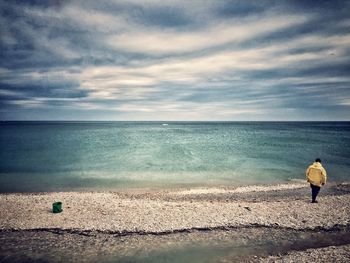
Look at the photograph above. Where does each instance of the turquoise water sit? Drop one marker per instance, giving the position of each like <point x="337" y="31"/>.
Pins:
<point x="50" y="156"/>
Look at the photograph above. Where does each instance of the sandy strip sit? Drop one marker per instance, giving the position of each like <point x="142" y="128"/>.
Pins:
<point x="112" y="212"/>
<point x="327" y="254"/>
<point x="243" y="189"/>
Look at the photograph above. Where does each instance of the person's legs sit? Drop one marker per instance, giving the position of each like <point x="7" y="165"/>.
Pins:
<point x="315" y="190"/>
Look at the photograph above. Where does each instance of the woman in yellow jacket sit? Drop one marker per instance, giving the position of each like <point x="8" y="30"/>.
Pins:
<point x="316" y="175"/>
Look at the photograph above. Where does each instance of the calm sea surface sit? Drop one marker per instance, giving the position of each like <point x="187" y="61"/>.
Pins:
<point x="52" y="156"/>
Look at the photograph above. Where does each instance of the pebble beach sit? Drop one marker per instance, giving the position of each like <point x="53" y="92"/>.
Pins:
<point x="284" y="207"/>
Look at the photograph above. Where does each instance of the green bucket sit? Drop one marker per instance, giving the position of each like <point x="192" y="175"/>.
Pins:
<point x="57" y="207"/>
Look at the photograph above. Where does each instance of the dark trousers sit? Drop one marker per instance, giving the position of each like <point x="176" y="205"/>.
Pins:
<point x="314" y="190"/>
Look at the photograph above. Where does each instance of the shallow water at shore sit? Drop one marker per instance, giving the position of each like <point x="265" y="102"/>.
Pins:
<point x="241" y="244"/>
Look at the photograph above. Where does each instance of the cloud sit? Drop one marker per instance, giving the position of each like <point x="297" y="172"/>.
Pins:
<point x="146" y="41"/>
<point x="215" y="60"/>
<point x="345" y="102"/>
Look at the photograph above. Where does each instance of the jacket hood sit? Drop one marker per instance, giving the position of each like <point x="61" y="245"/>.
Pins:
<point x="316" y="165"/>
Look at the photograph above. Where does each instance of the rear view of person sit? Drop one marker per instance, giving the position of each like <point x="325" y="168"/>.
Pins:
<point x="317" y="176"/>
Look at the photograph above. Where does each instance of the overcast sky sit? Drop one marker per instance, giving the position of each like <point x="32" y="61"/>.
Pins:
<point x="175" y="60"/>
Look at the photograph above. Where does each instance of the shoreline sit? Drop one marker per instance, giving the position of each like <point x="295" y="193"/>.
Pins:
<point x="144" y="214"/>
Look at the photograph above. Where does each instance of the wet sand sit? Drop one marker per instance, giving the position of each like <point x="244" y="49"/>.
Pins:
<point x="235" y="245"/>
<point x="156" y="213"/>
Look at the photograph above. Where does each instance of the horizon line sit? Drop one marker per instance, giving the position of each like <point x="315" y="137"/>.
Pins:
<point x="174" y="120"/>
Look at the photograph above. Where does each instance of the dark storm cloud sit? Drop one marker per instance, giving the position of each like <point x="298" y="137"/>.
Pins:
<point x="191" y="60"/>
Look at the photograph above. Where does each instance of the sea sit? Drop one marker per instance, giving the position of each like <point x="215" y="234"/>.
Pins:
<point x="44" y="156"/>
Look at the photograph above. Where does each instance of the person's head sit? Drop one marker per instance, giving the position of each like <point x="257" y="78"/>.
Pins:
<point x="317" y="160"/>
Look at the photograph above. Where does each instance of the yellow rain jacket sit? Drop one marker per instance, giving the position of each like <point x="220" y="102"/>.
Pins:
<point x="316" y="174"/>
